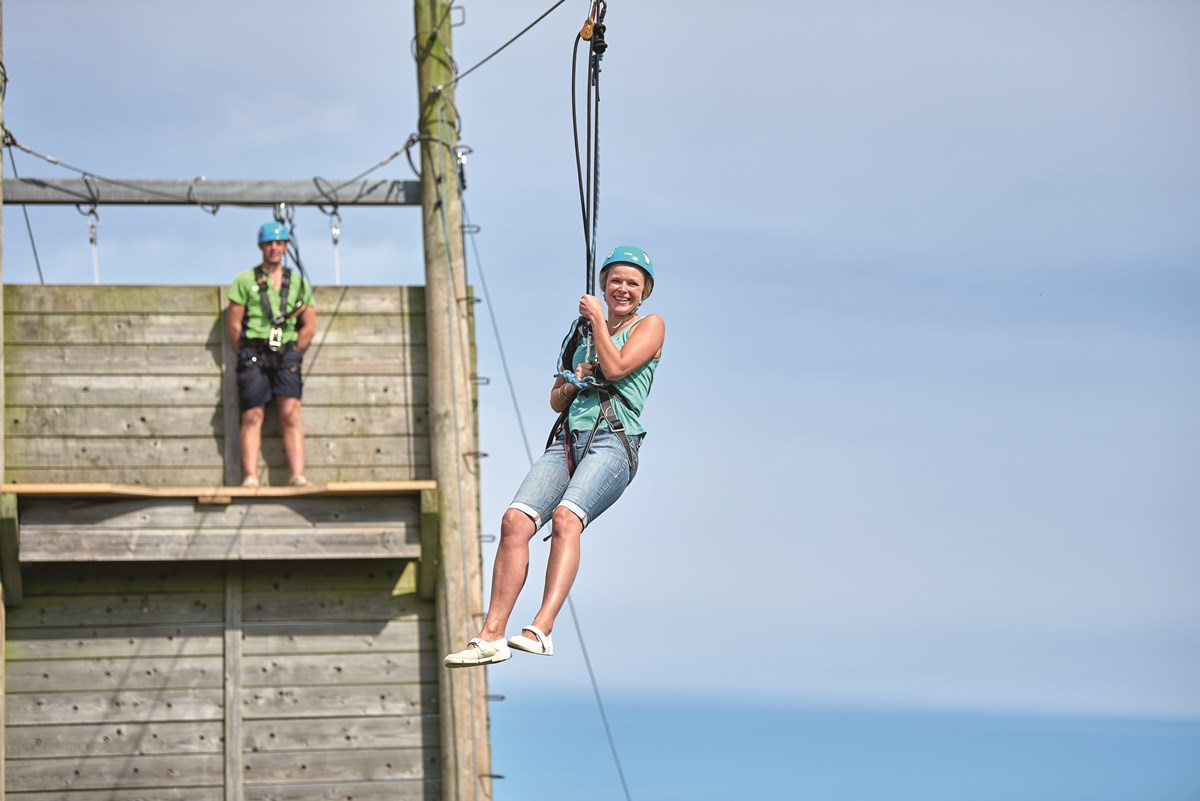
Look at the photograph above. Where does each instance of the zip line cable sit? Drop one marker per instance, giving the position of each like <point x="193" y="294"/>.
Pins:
<point x="24" y="207"/>
<point x="28" y="225"/>
<point x="529" y="454"/>
<point x="487" y="297"/>
<point x="497" y="51"/>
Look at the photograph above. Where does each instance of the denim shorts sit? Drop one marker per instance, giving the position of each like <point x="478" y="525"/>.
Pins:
<point x="262" y="375"/>
<point x="600" y="477"/>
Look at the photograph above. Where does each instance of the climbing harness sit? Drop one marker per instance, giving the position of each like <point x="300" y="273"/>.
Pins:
<point x="278" y="321"/>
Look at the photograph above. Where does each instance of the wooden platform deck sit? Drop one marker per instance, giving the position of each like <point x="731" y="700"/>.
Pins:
<point x="217" y="494"/>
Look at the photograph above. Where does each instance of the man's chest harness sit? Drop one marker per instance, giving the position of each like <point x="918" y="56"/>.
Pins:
<point x="278" y="321"/>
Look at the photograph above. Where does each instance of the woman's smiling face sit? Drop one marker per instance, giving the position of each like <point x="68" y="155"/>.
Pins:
<point x="624" y="288"/>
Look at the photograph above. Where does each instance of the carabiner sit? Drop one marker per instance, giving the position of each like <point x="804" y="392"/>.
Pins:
<point x="335" y="226"/>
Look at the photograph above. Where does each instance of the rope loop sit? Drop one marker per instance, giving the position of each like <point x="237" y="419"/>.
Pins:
<point x="211" y="208"/>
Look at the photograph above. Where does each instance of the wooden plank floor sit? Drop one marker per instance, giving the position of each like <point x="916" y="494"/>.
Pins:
<point x="102" y="489"/>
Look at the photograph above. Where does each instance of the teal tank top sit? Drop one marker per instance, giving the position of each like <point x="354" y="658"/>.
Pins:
<point x="635" y="388"/>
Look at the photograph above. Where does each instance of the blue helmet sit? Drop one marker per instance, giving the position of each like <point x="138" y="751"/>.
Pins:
<point x="627" y="254"/>
<point x="273" y="232"/>
<point x="635" y="257"/>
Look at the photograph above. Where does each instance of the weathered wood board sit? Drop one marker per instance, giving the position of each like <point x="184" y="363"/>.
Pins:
<point x="117" y="675"/>
<point x="179" y="529"/>
<point x="134" y="385"/>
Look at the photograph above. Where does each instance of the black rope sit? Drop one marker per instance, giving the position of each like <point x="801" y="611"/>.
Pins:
<point x="286" y="215"/>
<point x="589" y="185"/>
<point x="331" y="194"/>
<point x="583" y="204"/>
<point x="587" y="661"/>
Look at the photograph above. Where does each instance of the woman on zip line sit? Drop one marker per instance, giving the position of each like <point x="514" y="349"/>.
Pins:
<point x="574" y="482"/>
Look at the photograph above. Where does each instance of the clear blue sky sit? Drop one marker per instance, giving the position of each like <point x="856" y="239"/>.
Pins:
<point x="925" y="433"/>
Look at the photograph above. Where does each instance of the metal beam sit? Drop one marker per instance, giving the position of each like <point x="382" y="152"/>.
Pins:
<point x="171" y="192"/>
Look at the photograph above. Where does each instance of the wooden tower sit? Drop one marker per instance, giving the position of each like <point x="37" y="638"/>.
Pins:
<point x="169" y="636"/>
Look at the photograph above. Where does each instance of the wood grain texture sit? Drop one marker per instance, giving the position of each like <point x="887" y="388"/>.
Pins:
<point x="154" y="530"/>
<point x="138" y="385"/>
<point x="322" y="674"/>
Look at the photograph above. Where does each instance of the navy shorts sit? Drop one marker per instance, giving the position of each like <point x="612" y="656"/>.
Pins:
<point x="263" y="375"/>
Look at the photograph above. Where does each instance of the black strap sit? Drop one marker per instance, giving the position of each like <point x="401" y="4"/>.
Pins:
<point x="606" y="391"/>
<point x="277" y="320"/>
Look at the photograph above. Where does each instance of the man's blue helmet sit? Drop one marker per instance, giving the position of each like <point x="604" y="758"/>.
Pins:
<point x="273" y="232"/>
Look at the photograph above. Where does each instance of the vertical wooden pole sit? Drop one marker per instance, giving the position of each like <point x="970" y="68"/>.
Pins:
<point x="466" y="756"/>
<point x="3" y="610"/>
<point x="2" y="367"/>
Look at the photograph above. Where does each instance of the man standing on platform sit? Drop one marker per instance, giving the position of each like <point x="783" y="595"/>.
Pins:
<point x="271" y="321"/>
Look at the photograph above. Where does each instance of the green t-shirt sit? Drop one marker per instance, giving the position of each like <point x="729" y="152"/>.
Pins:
<point x="257" y="325"/>
<point x="635" y="388"/>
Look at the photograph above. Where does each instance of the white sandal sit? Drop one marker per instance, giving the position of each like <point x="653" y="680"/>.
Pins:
<point x="484" y="653"/>
<point x="543" y="646"/>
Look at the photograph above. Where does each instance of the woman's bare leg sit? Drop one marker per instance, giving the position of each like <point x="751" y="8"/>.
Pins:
<point x="508" y="572"/>
<point x="561" y="569"/>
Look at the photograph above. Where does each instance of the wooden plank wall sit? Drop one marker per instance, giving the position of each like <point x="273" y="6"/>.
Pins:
<point x="127" y="682"/>
<point x="179" y="529"/>
<point x="114" y="679"/>
<point x="340" y="683"/>
<point x="132" y="385"/>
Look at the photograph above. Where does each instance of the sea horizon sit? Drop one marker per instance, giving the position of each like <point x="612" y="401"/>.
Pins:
<point x="555" y="747"/>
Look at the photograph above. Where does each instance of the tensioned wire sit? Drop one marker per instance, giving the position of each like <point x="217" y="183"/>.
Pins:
<point x="587" y="661"/>
<point x="28" y="225"/>
<point x="13" y="161"/>
<point x="589" y="220"/>
<point x="497" y="51"/>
